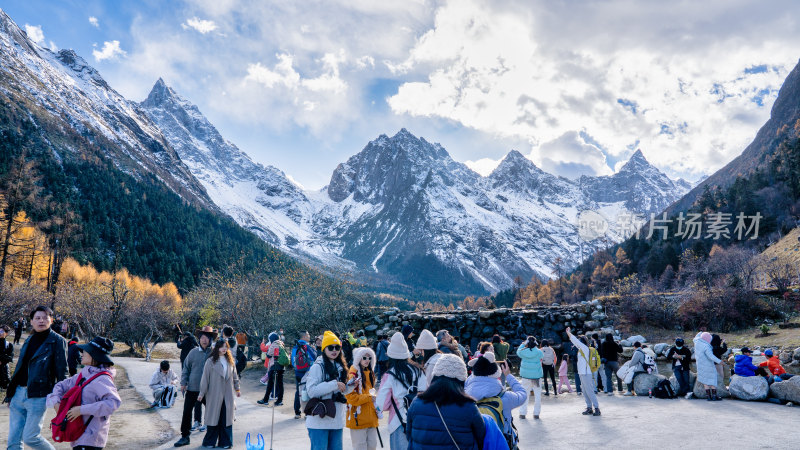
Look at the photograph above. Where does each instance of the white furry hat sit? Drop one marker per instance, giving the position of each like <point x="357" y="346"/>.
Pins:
<point x="360" y="352"/>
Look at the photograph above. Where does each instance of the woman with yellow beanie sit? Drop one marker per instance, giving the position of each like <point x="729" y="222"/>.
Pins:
<point x="326" y="385"/>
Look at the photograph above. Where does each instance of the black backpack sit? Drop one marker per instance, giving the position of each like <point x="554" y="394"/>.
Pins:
<point x="241" y="360"/>
<point x="409" y="397"/>
<point x="664" y="390"/>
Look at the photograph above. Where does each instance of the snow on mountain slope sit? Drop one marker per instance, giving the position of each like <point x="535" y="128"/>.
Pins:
<point x="63" y="88"/>
<point x="404" y="209"/>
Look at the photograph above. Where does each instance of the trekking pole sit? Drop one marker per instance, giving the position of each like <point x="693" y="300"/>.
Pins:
<point x="272" y="398"/>
<point x="380" y="439"/>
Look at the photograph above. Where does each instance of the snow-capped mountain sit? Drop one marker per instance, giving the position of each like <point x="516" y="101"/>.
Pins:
<point x="403" y="209"/>
<point x="64" y="90"/>
<point x="400" y="210"/>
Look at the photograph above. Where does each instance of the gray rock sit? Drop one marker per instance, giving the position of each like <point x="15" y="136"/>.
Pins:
<point x="786" y="357"/>
<point x="674" y="381"/>
<point x="788" y="390"/>
<point x="627" y="352"/>
<point x="394" y="319"/>
<point x="796" y="354"/>
<point x="370" y="328"/>
<point x="592" y="325"/>
<point x="661" y="349"/>
<point x="637" y="338"/>
<point x="485" y="314"/>
<point x="643" y="383"/>
<point x="749" y="388"/>
<point x="625" y="343"/>
<point x="700" y="392"/>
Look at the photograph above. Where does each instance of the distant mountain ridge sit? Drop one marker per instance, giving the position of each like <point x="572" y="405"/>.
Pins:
<point x="403" y="209"/>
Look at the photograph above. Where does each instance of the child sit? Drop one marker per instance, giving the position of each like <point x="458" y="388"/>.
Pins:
<point x="563" y="379"/>
<point x="163" y="384"/>
<point x="99" y="398"/>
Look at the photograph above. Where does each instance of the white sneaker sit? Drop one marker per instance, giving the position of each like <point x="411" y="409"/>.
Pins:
<point x="689" y="395"/>
<point x="201" y="428"/>
<point x="195" y="425"/>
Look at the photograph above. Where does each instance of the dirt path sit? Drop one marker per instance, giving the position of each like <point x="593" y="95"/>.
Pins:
<point x="133" y="426"/>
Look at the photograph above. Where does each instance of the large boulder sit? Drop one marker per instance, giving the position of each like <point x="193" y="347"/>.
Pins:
<point x="788" y="390"/>
<point x="674" y="381"/>
<point x="786" y="357"/>
<point x="627" y="352"/>
<point x="661" y="349"/>
<point x="796" y="354"/>
<point x="749" y="388"/>
<point x="700" y="392"/>
<point x="637" y="338"/>
<point x="643" y="383"/>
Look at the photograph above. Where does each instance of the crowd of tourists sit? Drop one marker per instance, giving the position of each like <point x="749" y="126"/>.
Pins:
<point x="431" y="390"/>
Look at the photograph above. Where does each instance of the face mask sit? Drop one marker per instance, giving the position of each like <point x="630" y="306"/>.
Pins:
<point x="678" y="346"/>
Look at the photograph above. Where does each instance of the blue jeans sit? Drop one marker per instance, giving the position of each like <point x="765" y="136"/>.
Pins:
<point x="398" y="440"/>
<point x="325" y="439"/>
<point x="682" y="375"/>
<point x="611" y="368"/>
<point x="25" y="420"/>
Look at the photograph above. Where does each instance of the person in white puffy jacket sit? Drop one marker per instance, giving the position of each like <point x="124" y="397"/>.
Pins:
<point x="399" y="379"/>
<point x="327" y="380"/>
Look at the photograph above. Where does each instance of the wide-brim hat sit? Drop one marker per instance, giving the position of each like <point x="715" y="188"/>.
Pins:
<point x="485" y="366"/>
<point x="100" y="349"/>
<point x="209" y="331"/>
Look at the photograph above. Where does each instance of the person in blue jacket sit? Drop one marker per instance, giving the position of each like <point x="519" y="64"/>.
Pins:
<point x="444" y="416"/>
<point x="486" y="383"/>
<point x="744" y="366"/>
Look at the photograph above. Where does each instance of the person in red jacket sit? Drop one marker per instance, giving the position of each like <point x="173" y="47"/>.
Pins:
<point x="773" y="364"/>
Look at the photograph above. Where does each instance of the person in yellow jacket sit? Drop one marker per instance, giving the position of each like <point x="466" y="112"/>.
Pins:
<point x="362" y="418"/>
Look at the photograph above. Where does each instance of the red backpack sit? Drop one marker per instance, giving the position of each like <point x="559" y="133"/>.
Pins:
<point x="65" y="430"/>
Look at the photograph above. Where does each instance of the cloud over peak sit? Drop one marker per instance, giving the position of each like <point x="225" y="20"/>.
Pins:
<point x="201" y="25"/>
<point x="110" y="50"/>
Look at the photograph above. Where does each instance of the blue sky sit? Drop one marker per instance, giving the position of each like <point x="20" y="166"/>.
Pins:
<point x="575" y="86"/>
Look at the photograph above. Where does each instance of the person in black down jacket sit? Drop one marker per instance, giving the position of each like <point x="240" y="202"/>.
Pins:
<point x="42" y="363"/>
<point x="719" y="348"/>
<point x="609" y="355"/>
<point x="444" y="416"/>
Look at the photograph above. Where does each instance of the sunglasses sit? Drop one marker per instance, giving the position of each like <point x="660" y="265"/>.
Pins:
<point x="367" y="358"/>
<point x="334" y="348"/>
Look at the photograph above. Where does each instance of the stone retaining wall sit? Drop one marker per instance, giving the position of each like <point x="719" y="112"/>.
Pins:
<point x="514" y="324"/>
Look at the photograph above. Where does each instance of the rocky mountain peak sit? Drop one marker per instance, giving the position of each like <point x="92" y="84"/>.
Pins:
<point x="160" y="94"/>
<point x="636" y="163"/>
<point x="83" y="69"/>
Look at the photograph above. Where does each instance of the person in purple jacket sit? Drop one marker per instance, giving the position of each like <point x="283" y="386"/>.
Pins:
<point x="99" y="399"/>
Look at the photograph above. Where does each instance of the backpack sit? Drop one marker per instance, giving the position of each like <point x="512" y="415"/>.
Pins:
<point x="411" y="394"/>
<point x="301" y="358"/>
<point x="649" y="363"/>
<point x="241" y="360"/>
<point x="664" y="390"/>
<point x="493" y="406"/>
<point x="70" y="430"/>
<point x="381" y="351"/>
<point x="283" y="356"/>
<point x="594" y="359"/>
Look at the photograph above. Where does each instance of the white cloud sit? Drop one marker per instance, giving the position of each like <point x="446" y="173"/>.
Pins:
<point x="672" y="79"/>
<point x="483" y="166"/>
<point x="570" y="155"/>
<point x="110" y="50"/>
<point x="93" y="20"/>
<point x="35" y="33"/>
<point x="201" y="25"/>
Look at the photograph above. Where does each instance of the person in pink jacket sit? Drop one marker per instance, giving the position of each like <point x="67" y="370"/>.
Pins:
<point x="99" y="399"/>
<point x="563" y="378"/>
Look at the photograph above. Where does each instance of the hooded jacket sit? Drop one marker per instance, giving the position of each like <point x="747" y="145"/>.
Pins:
<point x="485" y="387"/>
<point x="744" y="366"/>
<point x="360" y="404"/>
<point x="774" y="365"/>
<point x="705" y="360"/>
<point x="531" y="365"/>
<point x="98" y="398"/>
